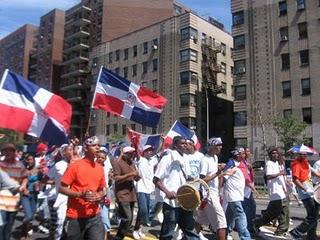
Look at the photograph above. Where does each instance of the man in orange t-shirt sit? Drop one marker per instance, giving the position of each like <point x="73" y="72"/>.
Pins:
<point x="84" y="184"/>
<point x="301" y="174"/>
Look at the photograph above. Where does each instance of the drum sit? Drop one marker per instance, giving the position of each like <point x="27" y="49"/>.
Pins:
<point x="316" y="193"/>
<point x="188" y="195"/>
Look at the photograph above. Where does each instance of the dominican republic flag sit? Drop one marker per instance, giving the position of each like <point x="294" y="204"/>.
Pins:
<point x="178" y="129"/>
<point x="27" y="108"/>
<point x="139" y="140"/>
<point x="126" y="99"/>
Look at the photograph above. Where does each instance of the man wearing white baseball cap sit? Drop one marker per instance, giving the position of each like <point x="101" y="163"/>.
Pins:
<point x="144" y="188"/>
<point x="125" y="173"/>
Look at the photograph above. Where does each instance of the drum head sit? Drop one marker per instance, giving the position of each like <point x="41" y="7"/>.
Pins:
<point x="188" y="197"/>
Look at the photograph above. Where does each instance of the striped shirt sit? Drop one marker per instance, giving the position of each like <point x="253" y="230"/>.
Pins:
<point x="17" y="172"/>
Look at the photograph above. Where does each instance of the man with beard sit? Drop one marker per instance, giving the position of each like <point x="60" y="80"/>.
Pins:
<point x="84" y="184"/>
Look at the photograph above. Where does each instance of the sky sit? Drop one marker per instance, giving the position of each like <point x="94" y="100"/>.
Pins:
<point x="15" y="13"/>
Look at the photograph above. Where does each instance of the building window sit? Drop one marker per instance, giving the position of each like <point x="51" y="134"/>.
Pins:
<point x="188" y="55"/>
<point x="240" y="92"/>
<point x="304" y="57"/>
<point x="189" y="122"/>
<point x="239" y="42"/>
<point x="189" y="32"/>
<point x="301" y="4"/>
<point x="286" y="89"/>
<point x="239" y="67"/>
<point x="287" y="113"/>
<point x="285" y="61"/>
<point x="203" y="38"/>
<point x="177" y="9"/>
<point x="241" y="142"/>
<point x="187" y="100"/>
<point x="188" y="77"/>
<point x="155" y="85"/>
<point x="134" y="70"/>
<point x="307" y="115"/>
<point x="144" y="67"/>
<point x="108" y="130"/>
<point x="223" y="49"/>
<point x="284" y="34"/>
<point x="238" y="18"/>
<point x="303" y="30"/>
<point x="154" y="131"/>
<point x="115" y="128"/>
<point x="283" y="8"/>
<point x="155" y="65"/>
<point x="223" y="67"/>
<point x="224" y="87"/>
<point x="124" y="129"/>
<point x="143" y="129"/>
<point x="133" y="126"/>
<point x="145" y="47"/>
<point x="125" y="72"/>
<point x="110" y="57"/>
<point x="135" y="51"/>
<point x="144" y="84"/>
<point x="117" y="70"/>
<point x="305" y="86"/>
<point x="126" y="54"/>
<point x="155" y="43"/>
<point x="117" y="55"/>
<point x="240" y="119"/>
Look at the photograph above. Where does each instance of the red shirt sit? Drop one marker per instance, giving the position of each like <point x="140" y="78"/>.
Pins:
<point x="80" y="176"/>
<point x="300" y="169"/>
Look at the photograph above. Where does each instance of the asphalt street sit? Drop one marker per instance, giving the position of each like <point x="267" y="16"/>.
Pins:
<point x="297" y="213"/>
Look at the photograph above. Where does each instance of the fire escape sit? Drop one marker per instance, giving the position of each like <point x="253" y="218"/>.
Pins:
<point x="210" y="87"/>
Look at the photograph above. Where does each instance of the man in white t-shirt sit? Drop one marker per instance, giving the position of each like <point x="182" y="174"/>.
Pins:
<point x="212" y="212"/>
<point x="144" y="187"/>
<point x="172" y="172"/>
<point x="234" y="184"/>
<point x="278" y="206"/>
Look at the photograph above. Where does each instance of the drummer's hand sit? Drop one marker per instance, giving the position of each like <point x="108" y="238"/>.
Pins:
<point x="171" y="195"/>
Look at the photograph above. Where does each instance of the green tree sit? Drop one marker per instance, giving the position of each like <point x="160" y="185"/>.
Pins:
<point x="290" y="131"/>
<point x="7" y="135"/>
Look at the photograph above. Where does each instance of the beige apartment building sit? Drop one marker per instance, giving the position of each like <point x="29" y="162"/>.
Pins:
<point x="185" y="58"/>
<point x="276" y="68"/>
<point x="46" y="58"/>
<point x="90" y="23"/>
<point x="15" y="50"/>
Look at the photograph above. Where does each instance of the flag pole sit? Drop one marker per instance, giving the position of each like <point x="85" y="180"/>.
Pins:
<point x="94" y="95"/>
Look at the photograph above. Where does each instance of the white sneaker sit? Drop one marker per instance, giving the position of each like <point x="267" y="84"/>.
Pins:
<point x="136" y="235"/>
<point x="201" y="237"/>
<point x="141" y="234"/>
<point x="43" y="229"/>
<point x="180" y="235"/>
<point x="30" y="232"/>
<point x="229" y="237"/>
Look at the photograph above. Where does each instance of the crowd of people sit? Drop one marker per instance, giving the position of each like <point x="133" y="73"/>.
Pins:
<point x="70" y="189"/>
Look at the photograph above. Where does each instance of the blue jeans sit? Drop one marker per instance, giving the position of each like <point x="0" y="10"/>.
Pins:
<point x="105" y="217"/>
<point x="235" y="214"/>
<point x="8" y="221"/>
<point x="249" y="207"/>
<point x="143" y="207"/>
<point x="184" y="219"/>
<point x="29" y="204"/>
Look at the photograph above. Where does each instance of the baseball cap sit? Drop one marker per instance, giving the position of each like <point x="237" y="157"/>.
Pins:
<point x="146" y="147"/>
<point x="94" y="140"/>
<point x="128" y="149"/>
<point x="42" y="147"/>
<point x="214" y="141"/>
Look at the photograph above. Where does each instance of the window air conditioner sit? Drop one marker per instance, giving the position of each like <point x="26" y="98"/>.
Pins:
<point x="284" y="38"/>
